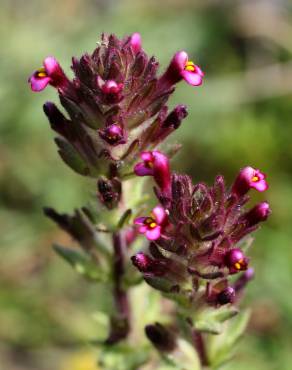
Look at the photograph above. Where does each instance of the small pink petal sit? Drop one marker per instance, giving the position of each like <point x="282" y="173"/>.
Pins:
<point x="160" y="214"/>
<point x="248" y="172"/>
<point x="192" y="78"/>
<point x="51" y="65"/>
<point x="146" y="156"/>
<point x="199" y="71"/>
<point x="39" y="84"/>
<point x="153" y="234"/>
<point x="139" y="220"/>
<point x="260" y="185"/>
<point x="143" y="229"/>
<point x="180" y="59"/>
<point x="141" y="170"/>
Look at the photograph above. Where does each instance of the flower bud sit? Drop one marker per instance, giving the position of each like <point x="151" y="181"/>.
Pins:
<point x="161" y="337"/>
<point x="109" y="192"/>
<point x="258" y="213"/>
<point x="249" y="178"/>
<point x="235" y="260"/>
<point x="241" y="282"/>
<point x="56" y="118"/>
<point x="136" y="42"/>
<point x="175" y="117"/>
<point x="112" y="91"/>
<point x="113" y="135"/>
<point x="155" y="164"/>
<point x="147" y="265"/>
<point x="227" y="295"/>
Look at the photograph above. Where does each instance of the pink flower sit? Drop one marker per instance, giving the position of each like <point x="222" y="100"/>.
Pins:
<point x="258" y="213"/>
<point x="155" y="164"/>
<point x="235" y="260"/>
<point x="111" y="87"/>
<point x="51" y="73"/>
<point x="148" y="265"/>
<point x="152" y="225"/>
<point x="113" y="134"/>
<point x="249" y="178"/>
<point x="180" y="68"/>
<point x="136" y="42"/>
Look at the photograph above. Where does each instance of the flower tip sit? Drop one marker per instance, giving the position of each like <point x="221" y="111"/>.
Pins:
<point x="136" y="42"/>
<point x="258" y="213"/>
<point x="248" y="178"/>
<point x="51" y="64"/>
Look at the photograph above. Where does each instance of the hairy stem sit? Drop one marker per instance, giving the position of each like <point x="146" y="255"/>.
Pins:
<point x="199" y="344"/>
<point x="120" y="322"/>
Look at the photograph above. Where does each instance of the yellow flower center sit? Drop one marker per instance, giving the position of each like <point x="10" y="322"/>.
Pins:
<point x="239" y="265"/>
<point x="150" y="222"/>
<point x="255" y="179"/>
<point x="190" y="66"/>
<point x="41" y="73"/>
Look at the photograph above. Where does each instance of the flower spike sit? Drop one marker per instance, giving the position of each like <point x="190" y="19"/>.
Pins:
<point x="51" y="73"/>
<point x="249" y="178"/>
<point x="152" y="225"/>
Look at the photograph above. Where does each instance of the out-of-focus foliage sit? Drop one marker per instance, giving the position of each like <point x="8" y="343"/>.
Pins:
<point x="241" y="115"/>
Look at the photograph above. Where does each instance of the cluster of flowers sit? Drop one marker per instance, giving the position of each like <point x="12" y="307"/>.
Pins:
<point x="116" y="104"/>
<point x="196" y="231"/>
<point x="116" y="112"/>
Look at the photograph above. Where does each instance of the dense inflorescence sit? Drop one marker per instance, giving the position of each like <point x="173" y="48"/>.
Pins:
<point x="116" y="104"/>
<point x="198" y="233"/>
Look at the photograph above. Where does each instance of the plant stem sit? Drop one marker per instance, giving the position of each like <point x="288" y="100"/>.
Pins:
<point x="120" y="322"/>
<point x="199" y="344"/>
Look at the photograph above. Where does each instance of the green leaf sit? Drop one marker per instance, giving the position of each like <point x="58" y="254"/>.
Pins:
<point x="81" y="263"/>
<point x="71" y="157"/>
<point x="210" y="320"/>
<point x="124" y="220"/>
<point x="184" y="357"/>
<point x="159" y="283"/>
<point x="221" y="347"/>
<point x="122" y="357"/>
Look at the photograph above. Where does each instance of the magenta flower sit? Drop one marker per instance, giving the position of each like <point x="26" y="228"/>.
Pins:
<point x="155" y="164"/>
<point x="235" y="260"/>
<point x="111" y="87"/>
<point x="152" y="225"/>
<point x="249" y="178"/>
<point x="51" y="73"/>
<point x="113" y="135"/>
<point x="258" y="213"/>
<point x="180" y="68"/>
<point x="136" y="42"/>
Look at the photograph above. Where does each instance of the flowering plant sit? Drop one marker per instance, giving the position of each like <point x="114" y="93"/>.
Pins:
<point x="193" y="244"/>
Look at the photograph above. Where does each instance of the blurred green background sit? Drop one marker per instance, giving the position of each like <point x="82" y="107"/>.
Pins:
<point x="240" y="116"/>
